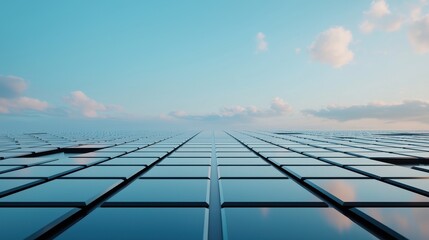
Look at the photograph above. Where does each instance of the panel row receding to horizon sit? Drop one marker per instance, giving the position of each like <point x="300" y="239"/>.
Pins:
<point x="211" y="185"/>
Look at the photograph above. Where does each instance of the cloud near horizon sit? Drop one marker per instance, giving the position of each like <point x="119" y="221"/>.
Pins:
<point x="332" y="47"/>
<point x="411" y="110"/>
<point x="278" y="107"/>
<point x="12" y="100"/>
<point x="87" y="107"/>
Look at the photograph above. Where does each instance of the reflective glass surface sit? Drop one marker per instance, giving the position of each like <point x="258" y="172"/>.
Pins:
<point x="367" y="192"/>
<point x="265" y="193"/>
<point x="30" y="223"/>
<point x="4" y="169"/>
<point x="282" y="154"/>
<point x="178" y="172"/>
<point x="390" y="172"/>
<point x="46" y="172"/>
<point x="10" y="185"/>
<point x="354" y="161"/>
<point x="242" y="161"/>
<point x="99" y="155"/>
<point x="417" y="185"/>
<point x="328" y="154"/>
<point x="289" y="223"/>
<point x="245" y="154"/>
<point x="192" y="154"/>
<point x="304" y="172"/>
<point x="26" y="161"/>
<point x="186" y="161"/>
<point x="61" y="193"/>
<point x="410" y="223"/>
<point x="145" y="154"/>
<point x="76" y="161"/>
<point x="163" y="192"/>
<point x="297" y="161"/>
<point x="422" y="168"/>
<point x="130" y="161"/>
<point x="249" y="172"/>
<point x="141" y="223"/>
<point x="122" y="172"/>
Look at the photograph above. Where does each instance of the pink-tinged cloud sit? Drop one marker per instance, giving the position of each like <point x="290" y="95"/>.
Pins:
<point x="86" y="106"/>
<point x="332" y="47"/>
<point x="22" y="104"/>
<point x="415" y="110"/>
<point x="379" y="17"/>
<point x="418" y="35"/>
<point x="11" y="97"/>
<point x="278" y="107"/>
<point x="378" y="9"/>
<point x="11" y="86"/>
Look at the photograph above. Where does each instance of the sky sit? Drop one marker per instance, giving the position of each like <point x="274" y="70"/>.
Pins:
<point x="316" y="65"/>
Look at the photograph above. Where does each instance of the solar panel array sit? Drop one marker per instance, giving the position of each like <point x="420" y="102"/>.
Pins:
<point x="214" y="185"/>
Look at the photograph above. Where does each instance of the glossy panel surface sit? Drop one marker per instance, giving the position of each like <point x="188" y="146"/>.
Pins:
<point x="70" y="192"/>
<point x="367" y="192"/>
<point x="141" y="223"/>
<point x="265" y="193"/>
<point x="29" y="223"/>
<point x="411" y="223"/>
<point x="383" y="172"/>
<point x="289" y="223"/>
<point x="326" y="172"/>
<point x="178" y="172"/>
<point x="121" y="172"/>
<point x="250" y="172"/>
<point x="163" y="192"/>
<point x="46" y="172"/>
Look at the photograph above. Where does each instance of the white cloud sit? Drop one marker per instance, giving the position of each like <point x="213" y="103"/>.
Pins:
<point x="415" y="110"/>
<point x="21" y="104"/>
<point x="11" y="86"/>
<point x="278" y="107"/>
<point x="11" y="96"/>
<point x="297" y="50"/>
<point x="379" y="17"/>
<point x="378" y="9"/>
<point x="332" y="47"/>
<point x="366" y="26"/>
<point x="418" y="35"/>
<point x="88" y="107"/>
<point x="393" y="24"/>
<point x="262" y="43"/>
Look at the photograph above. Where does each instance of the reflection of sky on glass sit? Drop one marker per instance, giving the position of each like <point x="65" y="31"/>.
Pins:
<point x="289" y="223"/>
<point x="367" y="192"/>
<point x="410" y="222"/>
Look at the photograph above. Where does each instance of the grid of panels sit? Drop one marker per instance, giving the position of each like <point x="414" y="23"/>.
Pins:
<point x="214" y="185"/>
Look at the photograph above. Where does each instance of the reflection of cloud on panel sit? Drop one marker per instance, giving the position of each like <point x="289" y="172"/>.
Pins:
<point x="265" y="212"/>
<point x="347" y="193"/>
<point x="337" y="220"/>
<point x="343" y="189"/>
<point x="401" y="222"/>
<point x="422" y="220"/>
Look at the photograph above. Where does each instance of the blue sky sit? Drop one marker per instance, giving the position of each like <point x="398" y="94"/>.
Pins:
<point x="266" y="64"/>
